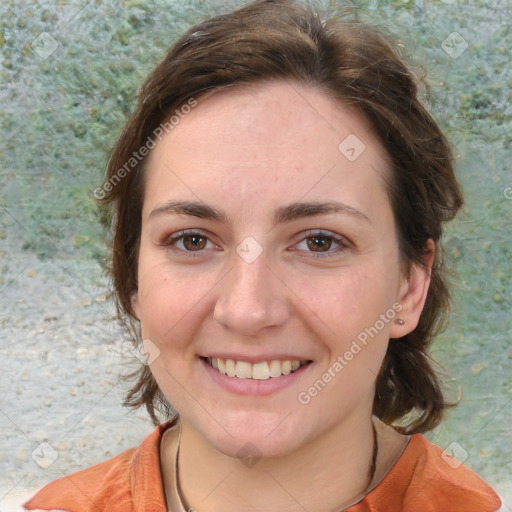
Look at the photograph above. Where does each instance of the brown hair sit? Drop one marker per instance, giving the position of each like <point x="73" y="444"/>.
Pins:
<point x="356" y="63"/>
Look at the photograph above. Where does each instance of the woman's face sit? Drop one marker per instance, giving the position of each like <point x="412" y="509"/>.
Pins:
<point x="234" y="264"/>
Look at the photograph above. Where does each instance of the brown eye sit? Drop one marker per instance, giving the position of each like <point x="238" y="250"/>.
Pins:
<point x="319" y="243"/>
<point x="188" y="243"/>
<point x="194" y="242"/>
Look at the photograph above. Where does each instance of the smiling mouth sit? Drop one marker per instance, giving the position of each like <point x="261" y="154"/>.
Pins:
<point x="257" y="371"/>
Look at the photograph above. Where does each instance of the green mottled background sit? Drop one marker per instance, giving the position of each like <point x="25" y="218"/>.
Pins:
<point x="61" y="114"/>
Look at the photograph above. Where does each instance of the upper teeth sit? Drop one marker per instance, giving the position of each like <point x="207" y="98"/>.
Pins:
<point x="258" y="371"/>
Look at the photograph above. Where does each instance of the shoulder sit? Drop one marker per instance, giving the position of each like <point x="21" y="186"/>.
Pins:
<point x="437" y="481"/>
<point x="115" y="485"/>
<point x="105" y="482"/>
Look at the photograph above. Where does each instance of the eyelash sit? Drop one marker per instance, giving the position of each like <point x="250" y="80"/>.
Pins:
<point x="340" y="240"/>
<point x="170" y="242"/>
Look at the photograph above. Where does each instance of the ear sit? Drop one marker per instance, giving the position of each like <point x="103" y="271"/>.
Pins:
<point x="413" y="294"/>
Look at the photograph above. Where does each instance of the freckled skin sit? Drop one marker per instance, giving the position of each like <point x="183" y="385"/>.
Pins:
<point x="247" y="152"/>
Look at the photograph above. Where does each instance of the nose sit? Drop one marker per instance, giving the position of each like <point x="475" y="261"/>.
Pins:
<point x="252" y="298"/>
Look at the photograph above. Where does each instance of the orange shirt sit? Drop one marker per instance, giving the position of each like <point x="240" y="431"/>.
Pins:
<point x="420" y="481"/>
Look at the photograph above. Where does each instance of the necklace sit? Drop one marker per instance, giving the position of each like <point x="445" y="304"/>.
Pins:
<point x="371" y="471"/>
<point x="373" y="466"/>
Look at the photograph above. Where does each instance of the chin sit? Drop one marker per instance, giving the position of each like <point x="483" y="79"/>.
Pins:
<point x="253" y="436"/>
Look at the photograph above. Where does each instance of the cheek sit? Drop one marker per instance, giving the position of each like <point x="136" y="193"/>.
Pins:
<point x="170" y="302"/>
<point x="347" y="300"/>
<point x="349" y="306"/>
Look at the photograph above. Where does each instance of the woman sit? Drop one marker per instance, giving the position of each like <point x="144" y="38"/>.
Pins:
<point x="278" y="200"/>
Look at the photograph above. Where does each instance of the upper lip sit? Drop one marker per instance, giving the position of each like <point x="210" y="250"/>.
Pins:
<point x="255" y="359"/>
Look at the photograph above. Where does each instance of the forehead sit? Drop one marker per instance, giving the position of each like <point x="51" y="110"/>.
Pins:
<point x="267" y="142"/>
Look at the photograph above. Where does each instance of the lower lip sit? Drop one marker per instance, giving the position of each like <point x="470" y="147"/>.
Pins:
<point x="253" y="386"/>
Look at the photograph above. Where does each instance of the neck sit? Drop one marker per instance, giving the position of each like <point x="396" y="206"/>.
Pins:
<point x="330" y="472"/>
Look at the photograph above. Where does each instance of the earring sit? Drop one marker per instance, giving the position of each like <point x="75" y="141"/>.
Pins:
<point x="399" y="321"/>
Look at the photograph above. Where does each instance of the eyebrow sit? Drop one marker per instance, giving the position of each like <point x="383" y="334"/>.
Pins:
<point x="281" y="215"/>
